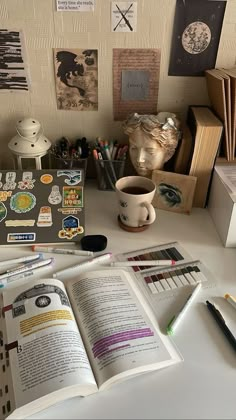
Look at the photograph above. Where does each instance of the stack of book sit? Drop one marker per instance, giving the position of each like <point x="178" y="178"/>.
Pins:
<point x="206" y="132"/>
<point x="198" y="149"/>
<point x="221" y="86"/>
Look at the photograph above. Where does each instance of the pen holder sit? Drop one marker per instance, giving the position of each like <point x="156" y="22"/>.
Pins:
<point x="70" y="163"/>
<point x="108" y="172"/>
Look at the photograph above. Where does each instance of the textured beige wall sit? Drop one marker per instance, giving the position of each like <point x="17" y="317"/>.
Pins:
<point x="45" y="29"/>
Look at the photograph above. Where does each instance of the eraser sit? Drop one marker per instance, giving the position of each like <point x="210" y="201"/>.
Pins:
<point x="94" y="243"/>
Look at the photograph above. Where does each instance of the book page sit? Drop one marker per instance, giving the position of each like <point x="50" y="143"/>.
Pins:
<point x="118" y="328"/>
<point x="216" y="92"/>
<point x="45" y="348"/>
<point x="228" y="176"/>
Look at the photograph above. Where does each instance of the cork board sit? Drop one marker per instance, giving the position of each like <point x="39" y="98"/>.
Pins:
<point x="146" y="64"/>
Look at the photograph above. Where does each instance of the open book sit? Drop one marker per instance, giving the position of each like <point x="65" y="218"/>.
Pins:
<point x="72" y="340"/>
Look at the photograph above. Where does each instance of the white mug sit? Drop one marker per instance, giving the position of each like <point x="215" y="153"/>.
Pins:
<point x="135" y="194"/>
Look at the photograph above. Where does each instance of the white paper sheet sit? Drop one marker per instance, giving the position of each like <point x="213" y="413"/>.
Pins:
<point x="228" y="176"/>
<point x="75" y="5"/>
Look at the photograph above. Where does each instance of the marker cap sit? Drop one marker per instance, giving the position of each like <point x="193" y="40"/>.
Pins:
<point x="94" y="243"/>
<point x="169" y="328"/>
<point x="169" y="331"/>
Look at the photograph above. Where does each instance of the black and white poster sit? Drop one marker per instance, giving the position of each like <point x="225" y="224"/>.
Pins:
<point x="13" y="74"/>
<point x="124" y="16"/>
<point x="76" y="79"/>
<point x="196" y="36"/>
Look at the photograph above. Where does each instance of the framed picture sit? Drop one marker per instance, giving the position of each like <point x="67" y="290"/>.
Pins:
<point x="174" y="192"/>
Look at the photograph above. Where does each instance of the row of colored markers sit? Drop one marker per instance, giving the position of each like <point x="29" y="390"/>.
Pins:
<point x="109" y="150"/>
<point x="31" y="263"/>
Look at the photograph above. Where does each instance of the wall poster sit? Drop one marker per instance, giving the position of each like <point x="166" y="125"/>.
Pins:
<point x="196" y="35"/>
<point x="124" y="16"/>
<point x="76" y="78"/>
<point x="135" y="81"/>
<point x="13" y="73"/>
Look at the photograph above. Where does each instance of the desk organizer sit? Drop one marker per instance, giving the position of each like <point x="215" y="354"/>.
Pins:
<point x="69" y="163"/>
<point x="108" y="172"/>
<point x="41" y="206"/>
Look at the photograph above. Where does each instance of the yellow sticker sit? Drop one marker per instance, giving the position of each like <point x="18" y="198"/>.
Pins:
<point x="46" y="178"/>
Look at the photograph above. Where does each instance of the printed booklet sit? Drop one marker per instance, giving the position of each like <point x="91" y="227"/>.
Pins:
<point x="59" y="341"/>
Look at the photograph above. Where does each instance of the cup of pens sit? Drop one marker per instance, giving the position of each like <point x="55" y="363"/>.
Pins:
<point x="70" y="155"/>
<point x="109" y="160"/>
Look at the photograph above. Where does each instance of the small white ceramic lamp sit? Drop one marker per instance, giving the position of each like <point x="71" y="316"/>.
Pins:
<point x="29" y="143"/>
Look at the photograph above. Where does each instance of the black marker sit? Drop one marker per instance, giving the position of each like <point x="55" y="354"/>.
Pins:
<point x="221" y="322"/>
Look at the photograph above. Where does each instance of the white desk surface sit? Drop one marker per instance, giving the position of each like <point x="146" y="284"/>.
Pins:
<point x="203" y="386"/>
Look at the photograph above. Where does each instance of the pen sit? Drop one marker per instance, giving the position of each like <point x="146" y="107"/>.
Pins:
<point x="174" y="322"/>
<point x="83" y="265"/>
<point x="61" y="250"/>
<point x="115" y="147"/>
<point x="26" y="267"/>
<point x="221" y="322"/>
<point x="231" y="300"/>
<point x="24" y="264"/>
<point x="142" y="263"/>
<point x="26" y="274"/>
<point x="28" y="258"/>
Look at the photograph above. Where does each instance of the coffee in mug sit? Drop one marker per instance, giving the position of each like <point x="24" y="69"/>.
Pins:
<point x="135" y="190"/>
<point x="135" y="195"/>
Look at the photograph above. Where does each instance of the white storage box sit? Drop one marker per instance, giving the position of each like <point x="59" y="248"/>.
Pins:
<point x="222" y="203"/>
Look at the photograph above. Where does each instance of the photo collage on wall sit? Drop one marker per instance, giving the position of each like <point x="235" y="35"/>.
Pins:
<point x="195" y="42"/>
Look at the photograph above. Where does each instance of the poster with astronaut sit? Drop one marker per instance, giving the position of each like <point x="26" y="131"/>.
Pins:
<point x="76" y="79"/>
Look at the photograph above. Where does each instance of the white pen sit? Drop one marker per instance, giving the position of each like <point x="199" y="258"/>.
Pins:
<point x="21" y="265"/>
<point x="83" y="265"/>
<point x="26" y="267"/>
<point x="28" y="258"/>
<point x="142" y="263"/>
<point x="231" y="300"/>
<point x="174" y="322"/>
<point x="26" y="274"/>
<point x="68" y="251"/>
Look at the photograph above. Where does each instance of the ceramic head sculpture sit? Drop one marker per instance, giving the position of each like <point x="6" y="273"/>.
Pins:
<point x="152" y="140"/>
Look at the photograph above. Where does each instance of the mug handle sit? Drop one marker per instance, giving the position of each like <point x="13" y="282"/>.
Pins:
<point x="151" y="214"/>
